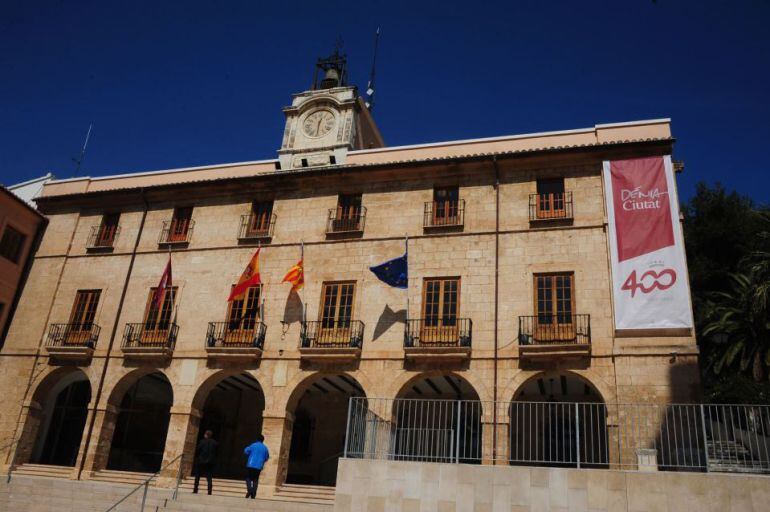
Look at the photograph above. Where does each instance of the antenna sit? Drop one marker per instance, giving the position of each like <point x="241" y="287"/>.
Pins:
<point x="79" y="160"/>
<point x="370" y="85"/>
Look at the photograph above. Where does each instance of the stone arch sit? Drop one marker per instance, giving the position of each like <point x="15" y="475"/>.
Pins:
<point x="55" y="418"/>
<point x="231" y="404"/>
<point x="136" y="421"/>
<point x="512" y="390"/>
<point x="300" y="383"/>
<point x="405" y="379"/>
<point x="314" y="435"/>
<point x="558" y="418"/>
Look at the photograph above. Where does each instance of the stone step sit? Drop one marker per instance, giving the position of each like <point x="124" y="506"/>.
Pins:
<point x="120" y="477"/>
<point x="201" y="502"/>
<point x="44" y="470"/>
<point x="307" y="493"/>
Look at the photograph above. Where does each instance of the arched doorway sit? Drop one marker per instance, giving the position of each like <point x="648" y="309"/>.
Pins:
<point x="318" y="432"/>
<point x="142" y="424"/>
<point x="63" y="418"/>
<point x="437" y="418"/>
<point x="233" y="412"/>
<point x="558" y="419"/>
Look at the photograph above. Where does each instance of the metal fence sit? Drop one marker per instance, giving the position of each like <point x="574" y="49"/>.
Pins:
<point x="673" y="437"/>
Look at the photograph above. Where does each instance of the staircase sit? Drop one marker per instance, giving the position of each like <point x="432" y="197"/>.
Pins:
<point x="733" y="457"/>
<point x="318" y="494"/>
<point x="43" y="470"/>
<point x="119" y="477"/>
<point x="235" y="490"/>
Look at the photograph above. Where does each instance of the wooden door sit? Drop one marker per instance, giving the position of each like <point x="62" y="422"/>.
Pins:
<point x="158" y="321"/>
<point x="107" y="230"/>
<point x="550" y="199"/>
<point x="336" y="313"/>
<point x="446" y="205"/>
<point x="243" y="317"/>
<point x="348" y="212"/>
<point x="82" y="317"/>
<point x="440" y="305"/>
<point x="261" y="216"/>
<point x="180" y="224"/>
<point x="554" y="307"/>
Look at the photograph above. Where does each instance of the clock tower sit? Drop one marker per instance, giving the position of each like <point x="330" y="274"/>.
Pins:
<point x="327" y="121"/>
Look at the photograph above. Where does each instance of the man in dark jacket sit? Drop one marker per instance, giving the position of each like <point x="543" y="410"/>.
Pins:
<point x="205" y="457"/>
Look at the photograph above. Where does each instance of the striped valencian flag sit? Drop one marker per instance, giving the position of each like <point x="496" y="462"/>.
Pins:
<point x="295" y="276"/>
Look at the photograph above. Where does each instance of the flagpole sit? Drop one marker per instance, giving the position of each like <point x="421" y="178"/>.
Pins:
<point x="302" y="259"/>
<point x="406" y="253"/>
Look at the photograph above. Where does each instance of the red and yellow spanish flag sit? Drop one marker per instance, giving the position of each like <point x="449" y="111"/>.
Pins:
<point x="249" y="278"/>
<point x="295" y="276"/>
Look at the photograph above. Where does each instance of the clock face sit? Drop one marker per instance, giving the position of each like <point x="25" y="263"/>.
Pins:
<point x="319" y="123"/>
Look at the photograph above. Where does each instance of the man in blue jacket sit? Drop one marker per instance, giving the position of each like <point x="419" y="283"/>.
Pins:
<point x="257" y="456"/>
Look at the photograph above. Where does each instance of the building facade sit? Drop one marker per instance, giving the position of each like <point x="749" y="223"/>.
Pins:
<point x="509" y="296"/>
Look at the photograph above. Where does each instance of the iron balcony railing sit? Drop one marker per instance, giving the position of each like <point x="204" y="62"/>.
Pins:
<point x="245" y="334"/>
<point x="73" y="335"/>
<point x="434" y="332"/>
<point x="103" y="237"/>
<point x="651" y="437"/>
<point x="554" y="329"/>
<point x="550" y="206"/>
<point x="177" y="231"/>
<point x="346" y="220"/>
<point x="332" y="334"/>
<point x="150" y="335"/>
<point x="444" y="214"/>
<point x="254" y="227"/>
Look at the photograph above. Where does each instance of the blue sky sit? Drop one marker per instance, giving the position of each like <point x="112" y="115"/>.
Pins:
<point x="201" y="82"/>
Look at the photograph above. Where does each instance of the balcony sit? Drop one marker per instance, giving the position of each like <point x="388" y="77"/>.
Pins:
<point x="102" y="238"/>
<point x="554" y="336"/>
<point x="229" y="340"/>
<point x="449" y="215"/>
<point x="550" y="207"/>
<point x="349" y="221"/>
<point x="72" y="341"/>
<point x="147" y="339"/>
<point x="176" y="232"/>
<point x="339" y="340"/>
<point x="256" y="228"/>
<point x="424" y="340"/>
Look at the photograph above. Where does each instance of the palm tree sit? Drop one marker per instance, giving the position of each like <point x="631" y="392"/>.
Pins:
<point x="737" y="321"/>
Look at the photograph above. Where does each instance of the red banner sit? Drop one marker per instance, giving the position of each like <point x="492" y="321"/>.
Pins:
<point x="642" y="206"/>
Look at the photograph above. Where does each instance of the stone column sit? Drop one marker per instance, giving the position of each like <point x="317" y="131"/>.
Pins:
<point x="31" y="417"/>
<point x="180" y="442"/>
<point x="277" y="431"/>
<point x="98" y="451"/>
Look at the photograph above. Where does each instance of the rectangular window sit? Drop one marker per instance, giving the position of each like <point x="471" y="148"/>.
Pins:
<point x="82" y="316"/>
<point x="348" y="214"/>
<point x="243" y="314"/>
<point x="260" y="218"/>
<point x="11" y="244"/>
<point x="337" y="304"/>
<point x="550" y="198"/>
<point x="159" y="319"/>
<point x="440" y="307"/>
<point x="180" y="224"/>
<point x="554" y="298"/>
<point x="107" y="230"/>
<point x="446" y="205"/>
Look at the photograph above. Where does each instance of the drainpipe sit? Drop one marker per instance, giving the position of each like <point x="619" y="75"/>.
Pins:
<point x="118" y="315"/>
<point x="497" y="281"/>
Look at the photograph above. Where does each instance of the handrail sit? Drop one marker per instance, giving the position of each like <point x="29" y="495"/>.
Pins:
<point x="13" y="458"/>
<point x="146" y="482"/>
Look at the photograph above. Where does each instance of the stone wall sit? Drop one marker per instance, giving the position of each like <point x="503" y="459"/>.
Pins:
<point x="379" y="486"/>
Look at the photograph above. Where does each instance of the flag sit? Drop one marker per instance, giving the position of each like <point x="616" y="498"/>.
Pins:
<point x="249" y="278"/>
<point x="394" y="272"/>
<point x="164" y="284"/>
<point x="295" y="276"/>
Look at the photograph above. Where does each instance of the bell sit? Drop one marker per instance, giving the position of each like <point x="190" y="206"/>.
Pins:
<point x="331" y="79"/>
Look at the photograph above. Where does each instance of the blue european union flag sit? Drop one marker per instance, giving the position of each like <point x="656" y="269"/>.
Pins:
<point x="394" y="272"/>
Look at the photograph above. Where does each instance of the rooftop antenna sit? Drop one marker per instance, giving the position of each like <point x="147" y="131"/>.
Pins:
<point x="370" y="85"/>
<point x="79" y="160"/>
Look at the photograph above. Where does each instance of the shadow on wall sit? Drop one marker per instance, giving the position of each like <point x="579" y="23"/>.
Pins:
<point x="292" y="311"/>
<point x="388" y="317"/>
